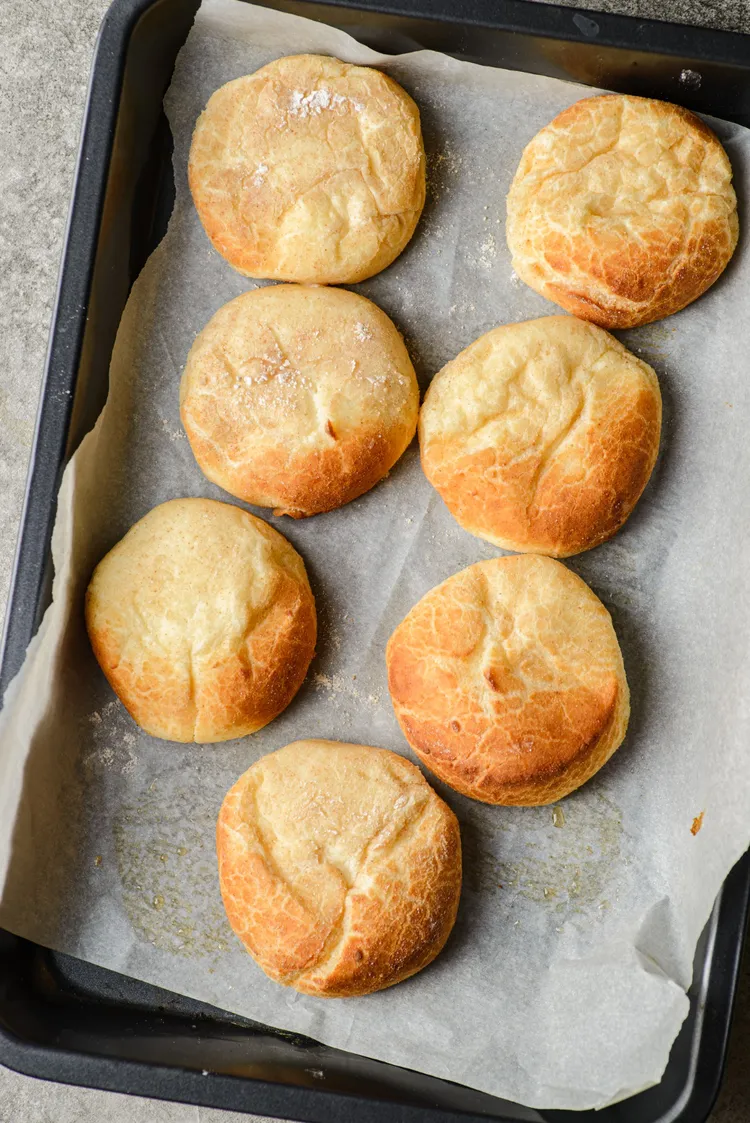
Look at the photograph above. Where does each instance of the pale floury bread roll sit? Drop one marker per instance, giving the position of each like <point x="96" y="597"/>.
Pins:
<point x="203" y="621"/>
<point x="541" y="436"/>
<point x="340" y="868"/>
<point x="508" y="681"/>
<point x="622" y="210"/>
<point x="298" y="397"/>
<point x="309" y="170"/>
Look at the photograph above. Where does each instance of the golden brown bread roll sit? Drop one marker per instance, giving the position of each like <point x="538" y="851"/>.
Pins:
<point x="203" y="621"/>
<point x="298" y="398"/>
<point x="622" y="210"/>
<point x="541" y="436"/>
<point x="339" y="867"/>
<point x="508" y="681"/>
<point x="309" y="170"/>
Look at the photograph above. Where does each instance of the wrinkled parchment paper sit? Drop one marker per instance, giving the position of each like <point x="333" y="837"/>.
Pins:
<point x="564" y="982"/>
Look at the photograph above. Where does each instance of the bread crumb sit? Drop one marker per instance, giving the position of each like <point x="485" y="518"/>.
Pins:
<point x="697" y="823"/>
<point x="487" y="251"/>
<point x="173" y="434"/>
<point x="691" y="78"/>
<point x="448" y="158"/>
<point x="338" y="684"/>
<point x="109" y="746"/>
<point x="104" y="757"/>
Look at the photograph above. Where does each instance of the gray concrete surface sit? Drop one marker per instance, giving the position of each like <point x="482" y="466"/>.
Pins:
<point x="45" y="53"/>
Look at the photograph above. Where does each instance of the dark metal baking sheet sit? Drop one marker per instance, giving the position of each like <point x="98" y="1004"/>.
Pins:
<point x="66" y="1020"/>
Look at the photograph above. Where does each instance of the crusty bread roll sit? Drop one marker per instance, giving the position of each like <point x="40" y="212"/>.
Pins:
<point x="508" y="681"/>
<point x="203" y="621"/>
<point x="298" y="398"/>
<point x="340" y="868"/>
<point x="622" y="210"/>
<point x="541" y="436"/>
<point x="309" y="170"/>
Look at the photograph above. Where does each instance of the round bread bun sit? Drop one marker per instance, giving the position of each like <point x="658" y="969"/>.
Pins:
<point x="203" y="621"/>
<point x="339" y="866"/>
<point x="622" y="210"/>
<point x="298" y="398"/>
<point x="541" y="436"/>
<point x="508" y="681"/>
<point x="309" y="170"/>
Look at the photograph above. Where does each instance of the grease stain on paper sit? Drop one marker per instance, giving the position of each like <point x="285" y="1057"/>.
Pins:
<point x="165" y="870"/>
<point x="564" y="860"/>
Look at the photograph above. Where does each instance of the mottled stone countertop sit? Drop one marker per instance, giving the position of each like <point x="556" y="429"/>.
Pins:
<point x="45" y="54"/>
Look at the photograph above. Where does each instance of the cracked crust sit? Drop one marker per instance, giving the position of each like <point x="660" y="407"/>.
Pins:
<point x="203" y="621"/>
<point x="309" y="170"/>
<point x="298" y="398"/>
<point x="339" y="867"/>
<point x="622" y="210"/>
<point x="541" y="436"/>
<point x="508" y="681"/>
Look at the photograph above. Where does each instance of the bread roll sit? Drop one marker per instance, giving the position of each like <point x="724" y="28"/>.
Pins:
<point x="508" y="681"/>
<point x="203" y="621"/>
<point x="340" y="868"/>
<point x="622" y="210"/>
<point x="309" y="170"/>
<point x="541" y="436"/>
<point x="298" y="398"/>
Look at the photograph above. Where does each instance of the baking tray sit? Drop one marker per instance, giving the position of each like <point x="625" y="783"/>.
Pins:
<point x="63" y="1019"/>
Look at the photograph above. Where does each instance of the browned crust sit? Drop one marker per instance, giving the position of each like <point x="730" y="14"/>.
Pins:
<point x="299" y="484"/>
<point x="510" y="505"/>
<point x="396" y="177"/>
<point x="637" y="277"/>
<point x="607" y="278"/>
<point x="257" y="436"/>
<point x="563" y="758"/>
<point x="237" y="692"/>
<point x="557" y="491"/>
<point x="390" y="926"/>
<point x="248" y="692"/>
<point x="491" y="734"/>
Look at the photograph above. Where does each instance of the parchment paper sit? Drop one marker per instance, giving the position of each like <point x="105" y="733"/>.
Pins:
<point x="564" y="982"/>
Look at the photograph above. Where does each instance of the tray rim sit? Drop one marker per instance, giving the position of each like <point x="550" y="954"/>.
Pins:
<point x="729" y="918"/>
